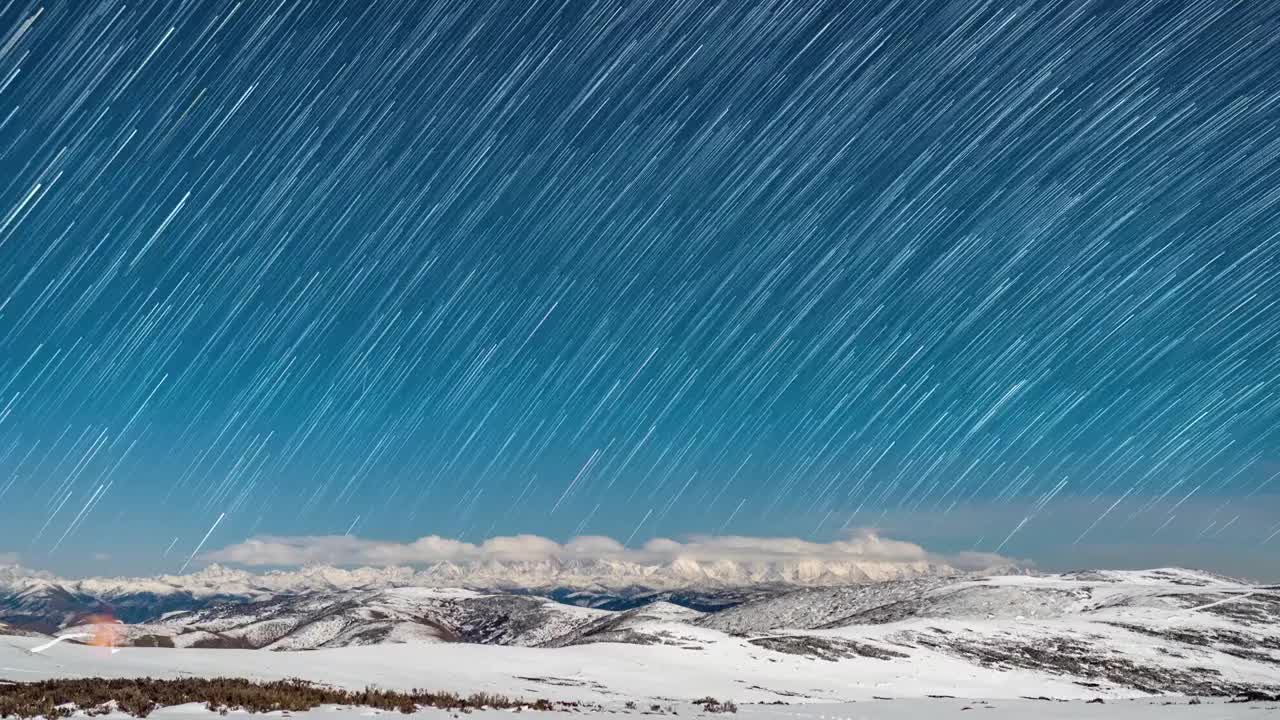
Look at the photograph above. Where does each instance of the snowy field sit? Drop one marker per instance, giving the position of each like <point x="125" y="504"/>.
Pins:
<point x="606" y="676"/>
<point x="596" y="673"/>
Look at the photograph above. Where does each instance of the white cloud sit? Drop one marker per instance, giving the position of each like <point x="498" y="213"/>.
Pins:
<point x="865" y="546"/>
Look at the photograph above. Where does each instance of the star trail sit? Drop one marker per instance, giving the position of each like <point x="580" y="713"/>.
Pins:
<point x="392" y="268"/>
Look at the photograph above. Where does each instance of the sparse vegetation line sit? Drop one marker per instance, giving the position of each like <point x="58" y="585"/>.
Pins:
<point x="140" y="696"/>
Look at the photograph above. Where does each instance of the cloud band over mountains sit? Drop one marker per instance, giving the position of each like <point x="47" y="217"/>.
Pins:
<point x="344" y="550"/>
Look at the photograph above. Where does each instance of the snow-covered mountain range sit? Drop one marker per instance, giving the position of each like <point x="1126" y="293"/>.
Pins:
<point x="1079" y="635"/>
<point x="39" y="601"/>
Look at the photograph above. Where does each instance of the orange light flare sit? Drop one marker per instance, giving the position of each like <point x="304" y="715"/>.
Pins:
<point x="105" y="630"/>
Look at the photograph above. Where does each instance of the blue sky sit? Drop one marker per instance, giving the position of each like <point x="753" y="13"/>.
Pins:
<point x="640" y="269"/>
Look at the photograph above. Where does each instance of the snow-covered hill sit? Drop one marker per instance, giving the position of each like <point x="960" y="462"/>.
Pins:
<point x="45" y="606"/>
<point x="657" y="623"/>
<point x="343" y="618"/>
<point x="817" y="607"/>
<point x="1167" y="630"/>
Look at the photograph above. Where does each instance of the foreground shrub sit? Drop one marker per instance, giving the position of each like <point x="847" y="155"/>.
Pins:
<point x="713" y="705"/>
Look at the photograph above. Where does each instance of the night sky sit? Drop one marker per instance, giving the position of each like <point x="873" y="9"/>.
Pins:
<point x="987" y="276"/>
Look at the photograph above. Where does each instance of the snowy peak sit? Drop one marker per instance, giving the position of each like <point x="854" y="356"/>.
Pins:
<point x="16" y="576"/>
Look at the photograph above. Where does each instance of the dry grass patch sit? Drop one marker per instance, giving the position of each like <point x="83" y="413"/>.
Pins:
<point x="140" y="696"/>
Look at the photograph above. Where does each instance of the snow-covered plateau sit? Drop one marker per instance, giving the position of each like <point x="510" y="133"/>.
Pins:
<point x="1142" y="642"/>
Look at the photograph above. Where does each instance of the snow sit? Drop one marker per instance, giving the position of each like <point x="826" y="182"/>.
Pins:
<point x="830" y="653"/>
<point x="598" y="672"/>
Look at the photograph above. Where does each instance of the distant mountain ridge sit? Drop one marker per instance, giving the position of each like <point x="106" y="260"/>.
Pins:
<point x="38" y="601"/>
<point x="499" y="574"/>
